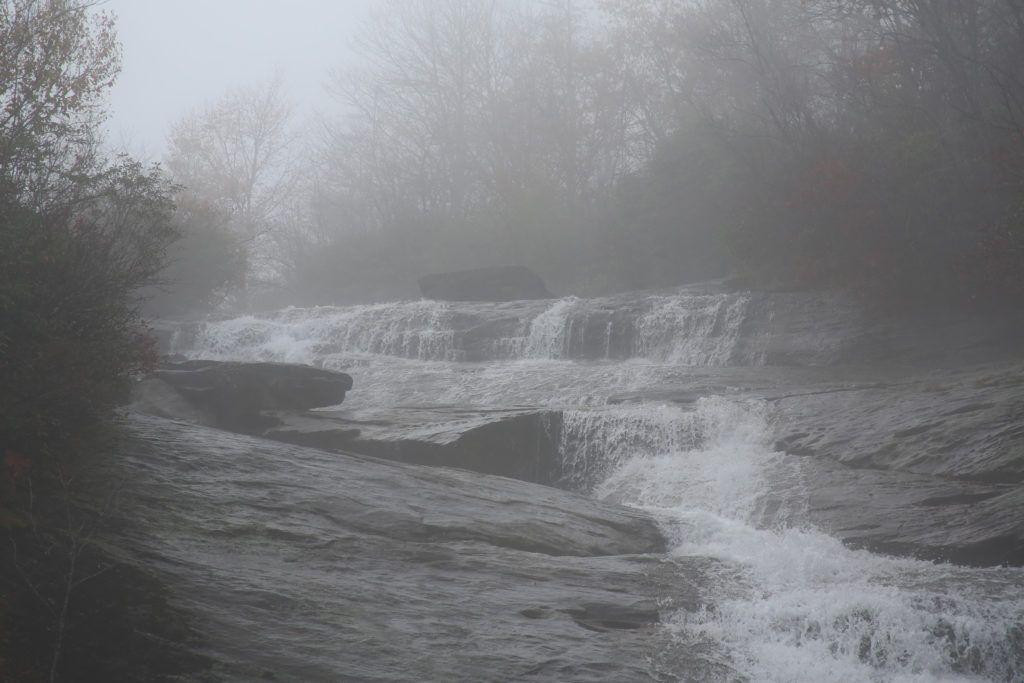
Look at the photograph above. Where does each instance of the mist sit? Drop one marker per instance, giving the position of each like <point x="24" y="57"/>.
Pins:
<point x="607" y="147"/>
<point x="561" y="340"/>
<point x="180" y="56"/>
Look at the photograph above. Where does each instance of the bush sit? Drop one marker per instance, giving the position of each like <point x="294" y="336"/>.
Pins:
<point x="71" y="334"/>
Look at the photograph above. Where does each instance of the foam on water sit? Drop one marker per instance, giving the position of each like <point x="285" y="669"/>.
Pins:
<point x="550" y="331"/>
<point x="694" y="330"/>
<point x="595" y="441"/>
<point x="682" y="329"/>
<point x="807" y="608"/>
<point x="419" y="330"/>
<point x="793" y="603"/>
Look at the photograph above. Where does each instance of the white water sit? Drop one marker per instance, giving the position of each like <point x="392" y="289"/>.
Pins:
<point x="681" y="329"/>
<point x="793" y="603"/>
<point x="695" y="330"/>
<point x="805" y="607"/>
<point x="418" y="330"/>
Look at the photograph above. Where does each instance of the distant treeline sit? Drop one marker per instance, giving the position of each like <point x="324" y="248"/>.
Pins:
<point x="616" y="145"/>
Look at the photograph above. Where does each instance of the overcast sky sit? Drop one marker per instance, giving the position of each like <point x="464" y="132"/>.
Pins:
<point x="179" y="54"/>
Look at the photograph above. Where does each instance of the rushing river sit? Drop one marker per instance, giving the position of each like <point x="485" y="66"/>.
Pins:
<point x="791" y="602"/>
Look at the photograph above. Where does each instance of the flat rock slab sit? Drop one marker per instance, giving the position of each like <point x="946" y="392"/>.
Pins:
<point x="233" y="396"/>
<point x="917" y="515"/>
<point x="406" y="502"/>
<point x="303" y="565"/>
<point x="964" y="424"/>
<point x="522" y="444"/>
<point x="926" y="463"/>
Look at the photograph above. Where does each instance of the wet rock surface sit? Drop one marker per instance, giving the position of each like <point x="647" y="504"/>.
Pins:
<point x="517" y="443"/>
<point x="799" y="454"/>
<point x="234" y="395"/>
<point x="396" y="572"/>
<point x="521" y="444"/>
<point x="919" y="516"/>
<point x="919" y="462"/>
<point x="963" y="424"/>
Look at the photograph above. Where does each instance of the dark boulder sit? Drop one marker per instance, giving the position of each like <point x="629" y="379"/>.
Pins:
<point x="235" y="396"/>
<point x="503" y="283"/>
<point x="520" y="444"/>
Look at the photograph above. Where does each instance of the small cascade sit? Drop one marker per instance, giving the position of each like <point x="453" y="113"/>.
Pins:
<point x="550" y="332"/>
<point x="806" y="608"/>
<point x="595" y="441"/>
<point x="790" y="602"/>
<point x="419" y="330"/>
<point x="694" y="330"/>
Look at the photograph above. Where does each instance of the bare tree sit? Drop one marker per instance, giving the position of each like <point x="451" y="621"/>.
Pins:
<point x="237" y="154"/>
<point x="476" y="128"/>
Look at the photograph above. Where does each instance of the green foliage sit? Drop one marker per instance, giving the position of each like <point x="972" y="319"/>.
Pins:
<point x="78" y="235"/>
<point x="70" y="327"/>
<point x="58" y="58"/>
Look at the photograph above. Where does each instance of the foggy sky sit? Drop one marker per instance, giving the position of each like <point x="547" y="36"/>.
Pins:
<point x="179" y="54"/>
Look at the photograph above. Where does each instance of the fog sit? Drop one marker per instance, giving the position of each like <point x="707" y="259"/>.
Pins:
<point x="605" y="146"/>
<point x="181" y="55"/>
<point x="503" y="340"/>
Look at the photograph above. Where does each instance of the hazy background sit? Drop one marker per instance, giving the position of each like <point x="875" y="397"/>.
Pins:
<point x="334" y="152"/>
<point x="180" y="55"/>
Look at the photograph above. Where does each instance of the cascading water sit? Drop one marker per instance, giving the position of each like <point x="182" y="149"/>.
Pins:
<point x="792" y="602"/>
<point x="681" y="329"/>
<point x="593" y="442"/>
<point x="805" y="608"/>
<point x="418" y="330"/>
<point x="547" y="333"/>
<point x="695" y="331"/>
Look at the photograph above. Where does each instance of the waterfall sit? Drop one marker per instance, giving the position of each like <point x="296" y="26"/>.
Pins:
<point x="661" y="405"/>
<point x="419" y="330"/>
<point x="807" y="608"/>
<point x="594" y="441"/>
<point x="694" y="330"/>
<point x="682" y="328"/>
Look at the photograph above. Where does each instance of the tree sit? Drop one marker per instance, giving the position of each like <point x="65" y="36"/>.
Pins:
<point x="57" y="60"/>
<point x="79" y="236"/>
<point x="474" y="132"/>
<point x="236" y="155"/>
<point x="204" y="265"/>
<point x="872" y="143"/>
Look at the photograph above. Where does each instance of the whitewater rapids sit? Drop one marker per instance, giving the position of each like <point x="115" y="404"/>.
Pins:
<point x="791" y="602"/>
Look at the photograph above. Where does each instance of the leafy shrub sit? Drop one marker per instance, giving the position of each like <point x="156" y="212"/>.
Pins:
<point x="71" y="333"/>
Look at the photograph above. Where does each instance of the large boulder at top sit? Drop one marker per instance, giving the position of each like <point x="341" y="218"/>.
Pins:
<point x="237" y="396"/>
<point x="503" y="283"/>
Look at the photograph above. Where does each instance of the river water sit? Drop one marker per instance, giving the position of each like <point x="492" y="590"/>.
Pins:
<point x="664" y="409"/>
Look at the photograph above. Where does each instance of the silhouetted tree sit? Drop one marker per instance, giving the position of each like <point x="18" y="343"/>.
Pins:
<point x="79" y="236"/>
